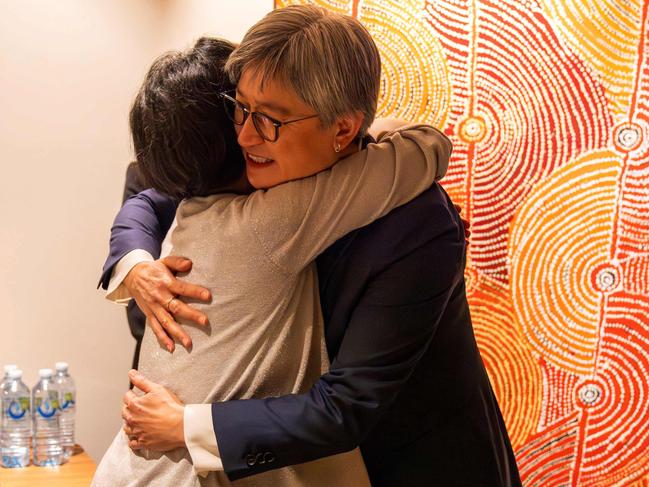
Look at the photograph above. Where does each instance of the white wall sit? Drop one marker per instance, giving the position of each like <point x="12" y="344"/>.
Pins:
<point x="68" y="72"/>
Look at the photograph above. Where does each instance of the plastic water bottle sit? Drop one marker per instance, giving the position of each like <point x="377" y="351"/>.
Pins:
<point x="45" y="414"/>
<point x="7" y="368"/>
<point x="68" y="401"/>
<point x="5" y="378"/>
<point x="14" y="440"/>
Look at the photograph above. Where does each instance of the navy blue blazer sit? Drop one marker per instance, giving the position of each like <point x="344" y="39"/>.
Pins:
<point x="406" y="382"/>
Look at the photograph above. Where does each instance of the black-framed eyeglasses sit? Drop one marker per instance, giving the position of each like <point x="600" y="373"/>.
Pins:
<point x="267" y="127"/>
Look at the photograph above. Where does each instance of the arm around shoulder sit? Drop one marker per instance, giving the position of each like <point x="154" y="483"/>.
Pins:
<point x="351" y="194"/>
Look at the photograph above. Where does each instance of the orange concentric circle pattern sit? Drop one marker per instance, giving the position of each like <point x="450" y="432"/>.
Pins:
<point x="547" y="104"/>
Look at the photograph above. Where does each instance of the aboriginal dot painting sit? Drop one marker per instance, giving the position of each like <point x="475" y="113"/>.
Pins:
<point x="547" y="104"/>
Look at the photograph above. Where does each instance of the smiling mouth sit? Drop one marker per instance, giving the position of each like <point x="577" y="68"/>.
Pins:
<point x="258" y="160"/>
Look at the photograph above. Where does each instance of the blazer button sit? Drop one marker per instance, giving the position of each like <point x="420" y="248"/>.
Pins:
<point x="259" y="458"/>
<point x="251" y="460"/>
<point x="269" y="457"/>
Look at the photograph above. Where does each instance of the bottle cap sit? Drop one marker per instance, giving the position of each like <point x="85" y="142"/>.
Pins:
<point x="45" y="373"/>
<point x="15" y="373"/>
<point x="10" y="367"/>
<point x="61" y="366"/>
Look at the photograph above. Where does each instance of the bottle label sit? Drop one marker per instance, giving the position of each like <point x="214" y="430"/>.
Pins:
<point x="46" y="407"/>
<point x="68" y="400"/>
<point x="17" y="408"/>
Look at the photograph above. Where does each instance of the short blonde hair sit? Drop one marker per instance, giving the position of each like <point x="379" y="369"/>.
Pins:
<point x="329" y="60"/>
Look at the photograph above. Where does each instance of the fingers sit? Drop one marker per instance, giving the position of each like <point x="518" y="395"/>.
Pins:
<point x="154" y="287"/>
<point x="182" y="288"/>
<point x="148" y="283"/>
<point x="129" y="406"/>
<point x="177" y="263"/>
<point x="159" y="332"/>
<point x="182" y="310"/>
<point x="166" y="329"/>
<point x="171" y="329"/>
<point x="136" y="436"/>
<point x="128" y="399"/>
<point x="126" y="415"/>
<point x="133" y="444"/>
<point x="141" y="382"/>
<point x="136" y="444"/>
<point x="134" y="441"/>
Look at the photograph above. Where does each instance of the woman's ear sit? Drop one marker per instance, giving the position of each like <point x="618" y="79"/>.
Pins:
<point x="347" y="129"/>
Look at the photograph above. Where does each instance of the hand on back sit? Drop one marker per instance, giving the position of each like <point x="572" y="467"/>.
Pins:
<point x="156" y="291"/>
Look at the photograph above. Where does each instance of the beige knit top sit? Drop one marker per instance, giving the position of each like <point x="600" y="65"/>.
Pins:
<point x="255" y="253"/>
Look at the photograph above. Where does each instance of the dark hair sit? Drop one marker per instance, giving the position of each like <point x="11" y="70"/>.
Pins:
<point x="184" y="142"/>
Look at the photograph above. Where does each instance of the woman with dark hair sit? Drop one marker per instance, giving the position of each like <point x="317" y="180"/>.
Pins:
<point x="184" y="142"/>
<point x="255" y="251"/>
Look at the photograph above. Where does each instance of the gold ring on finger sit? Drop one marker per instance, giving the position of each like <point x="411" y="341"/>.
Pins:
<point x="169" y="302"/>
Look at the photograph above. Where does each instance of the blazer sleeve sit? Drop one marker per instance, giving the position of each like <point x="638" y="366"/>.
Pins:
<point x="142" y="223"/>
<point x="388" y="332"/>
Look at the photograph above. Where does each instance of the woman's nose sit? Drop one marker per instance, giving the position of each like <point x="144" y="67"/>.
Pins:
<point x="247" y="134"/>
